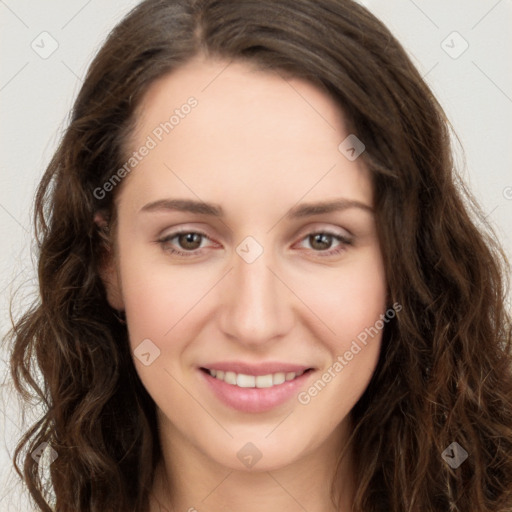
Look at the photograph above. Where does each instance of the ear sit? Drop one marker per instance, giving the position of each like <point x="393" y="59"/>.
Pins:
<point x="108" y="270"/>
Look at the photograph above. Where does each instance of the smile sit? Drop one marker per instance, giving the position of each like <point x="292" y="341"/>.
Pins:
<point x="254" y="381"/>
<point x="255" y="388"/>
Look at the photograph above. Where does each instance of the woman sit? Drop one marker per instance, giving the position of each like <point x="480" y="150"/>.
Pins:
<point x="261" y="286"/>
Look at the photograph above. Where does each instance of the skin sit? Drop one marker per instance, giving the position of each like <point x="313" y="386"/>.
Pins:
<point x="257" y="145"/>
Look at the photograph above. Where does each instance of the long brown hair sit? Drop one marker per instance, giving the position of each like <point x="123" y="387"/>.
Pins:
<point x="444" y="373"/>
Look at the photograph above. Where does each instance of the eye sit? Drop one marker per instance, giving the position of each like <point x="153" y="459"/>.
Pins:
<point x="322" y="241"/>
<point x="190" y="241"/>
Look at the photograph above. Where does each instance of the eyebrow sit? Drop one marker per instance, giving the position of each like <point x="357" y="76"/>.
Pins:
<point x="215" y="210"/>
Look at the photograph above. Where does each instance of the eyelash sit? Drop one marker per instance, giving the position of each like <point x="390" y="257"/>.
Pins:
<point x="344" y="241"/>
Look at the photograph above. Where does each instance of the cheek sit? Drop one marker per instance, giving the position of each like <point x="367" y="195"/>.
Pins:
<point x="348" y="299"/>
<point x="352" y="302"/>
<point x="158" y="297"/>
<point x="160" y="303"/>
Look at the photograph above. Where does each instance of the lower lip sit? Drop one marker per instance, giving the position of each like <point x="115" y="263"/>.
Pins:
<point x="255" y="399"/>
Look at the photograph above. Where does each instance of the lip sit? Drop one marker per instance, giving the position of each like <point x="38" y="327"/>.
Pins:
<point x="255" y="400"/>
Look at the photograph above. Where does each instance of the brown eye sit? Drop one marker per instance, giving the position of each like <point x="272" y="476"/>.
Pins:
<point x="184" y="243"/>
<point x="325" y="243"/>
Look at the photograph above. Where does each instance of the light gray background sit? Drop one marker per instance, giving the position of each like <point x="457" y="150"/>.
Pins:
<point x="37" y="93"/>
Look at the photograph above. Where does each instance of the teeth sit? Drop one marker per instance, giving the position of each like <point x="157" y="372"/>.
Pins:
<point x="230" y="377"/>
<point x="244" y="381"/>
<point x="278" y="378"/>
<point x="251" y="381"/>
<point x="264" y="381"/>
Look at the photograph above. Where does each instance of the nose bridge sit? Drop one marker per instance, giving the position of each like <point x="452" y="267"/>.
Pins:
<point x="256" y="308"/>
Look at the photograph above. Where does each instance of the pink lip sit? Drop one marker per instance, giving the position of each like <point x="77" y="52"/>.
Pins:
<point x="256" y="369"/>
<point x="255" y="400"/>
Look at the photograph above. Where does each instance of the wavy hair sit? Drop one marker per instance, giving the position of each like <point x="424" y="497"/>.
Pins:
<point x="444" y="373"/>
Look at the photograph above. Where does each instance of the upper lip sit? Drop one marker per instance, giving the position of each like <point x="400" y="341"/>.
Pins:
<point x="256" y="369"/>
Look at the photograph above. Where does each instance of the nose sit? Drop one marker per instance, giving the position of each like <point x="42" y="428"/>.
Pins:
<point x="257" y="308"/>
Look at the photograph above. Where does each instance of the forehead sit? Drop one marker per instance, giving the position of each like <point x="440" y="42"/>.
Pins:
<point x="249" y="132"/>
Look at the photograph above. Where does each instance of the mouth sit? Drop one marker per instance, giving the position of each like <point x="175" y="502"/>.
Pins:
<point x="254" y="388"/>
<point x="244" y="380"/>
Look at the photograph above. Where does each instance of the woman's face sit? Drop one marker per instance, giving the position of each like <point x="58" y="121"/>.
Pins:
<point x="263" y="286"/>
